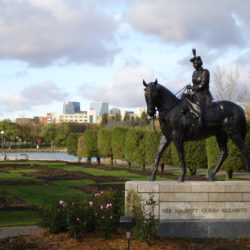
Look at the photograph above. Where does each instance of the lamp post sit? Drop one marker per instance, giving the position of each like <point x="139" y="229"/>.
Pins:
<point x="2" y="133"/>
<point x="127" y="222"/>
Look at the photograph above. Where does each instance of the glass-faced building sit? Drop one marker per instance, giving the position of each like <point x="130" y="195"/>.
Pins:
<point x="71" y="107"/>
<point x="100" y="108"/>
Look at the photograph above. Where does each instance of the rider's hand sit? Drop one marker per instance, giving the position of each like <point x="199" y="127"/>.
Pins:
<point x="189" y="87"/>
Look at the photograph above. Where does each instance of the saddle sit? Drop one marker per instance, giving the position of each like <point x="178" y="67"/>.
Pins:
<point x="192" y="111"/>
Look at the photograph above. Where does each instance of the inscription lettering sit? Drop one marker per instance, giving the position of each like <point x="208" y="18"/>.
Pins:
<point x="204" y="210"/>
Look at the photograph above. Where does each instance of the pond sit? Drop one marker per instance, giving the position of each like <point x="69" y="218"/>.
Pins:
<point x="60" y="156"/>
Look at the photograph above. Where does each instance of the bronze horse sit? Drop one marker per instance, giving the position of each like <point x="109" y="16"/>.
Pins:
<point x="224" y="120"/>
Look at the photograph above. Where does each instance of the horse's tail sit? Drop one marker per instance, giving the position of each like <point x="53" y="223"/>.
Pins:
<point x="235" y="120"/>
<point x="244" y="126"/>
<point x="239" y="115"/>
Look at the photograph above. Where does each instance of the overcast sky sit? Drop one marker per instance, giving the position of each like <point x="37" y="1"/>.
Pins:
<point x="52" y="51"/>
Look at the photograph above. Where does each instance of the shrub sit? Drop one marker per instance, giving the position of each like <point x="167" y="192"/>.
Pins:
<point x="152" y="142"/>
<point x="55" y="218"/>
<point x="104" y="144"/>
<point x="234" y="160"/>
<point x="118" y="142"/>
<point x="135" y="147"/>
<point x="72" y="143"/>
<point x="90" y="138"/>
<point x="99" y="212"/>
<point x="195" y="155"/>
<point x="145" y="222"/>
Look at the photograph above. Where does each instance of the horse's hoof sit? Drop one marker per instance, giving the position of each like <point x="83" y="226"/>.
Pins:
<point x="211" y="178"/>
<point x="181" y="178"/>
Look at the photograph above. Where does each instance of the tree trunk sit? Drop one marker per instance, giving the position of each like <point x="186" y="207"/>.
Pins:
<point x="98" y="161"/>
<point x="89" y="160"/>
<point x="192" y="171"/>
<point x="162" y="167"/>
<point x="229" y="174"/>
<point x="143" y="166"/>
<point x="111" y="161"/>
<point x="129" y="164"/>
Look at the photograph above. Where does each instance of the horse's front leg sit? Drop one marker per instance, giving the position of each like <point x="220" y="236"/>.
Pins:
<point x="180" y="149"/>
<point x="163" y="145"/>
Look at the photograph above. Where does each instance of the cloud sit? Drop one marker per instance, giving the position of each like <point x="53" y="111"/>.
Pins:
<point x="43" y="32"/>
<point x="126" y="89"/>
<point x="215" y="24"/>
<point x="36" y="95"/>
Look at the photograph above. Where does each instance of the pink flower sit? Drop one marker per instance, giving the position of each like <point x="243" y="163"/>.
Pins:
<point x="58" y="210"/>
<point x="73" y="203"/>
<point x="101" y="207"/>
<point x="111" y="217"/>
<point x="91" y="203"/>
<point x="78" y="219"/>
<point x="65" y="204"/>
<point x="61" y="202"/>
<point x="97" y="194"/>
<point x="109" y="205"/>
<point x="101" y="192"/>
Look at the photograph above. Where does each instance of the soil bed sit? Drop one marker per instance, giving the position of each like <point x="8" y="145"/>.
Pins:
<point x="15" y="203"/>
<point x="45" y="240"/>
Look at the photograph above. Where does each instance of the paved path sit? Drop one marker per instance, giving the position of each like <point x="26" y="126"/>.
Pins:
<point x="6" y="232"/>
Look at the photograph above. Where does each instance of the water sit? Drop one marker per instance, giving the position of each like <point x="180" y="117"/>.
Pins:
<point x="60" y="156"/>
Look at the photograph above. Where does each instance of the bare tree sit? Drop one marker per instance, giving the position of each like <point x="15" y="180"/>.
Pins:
<point x="225" y="84"/>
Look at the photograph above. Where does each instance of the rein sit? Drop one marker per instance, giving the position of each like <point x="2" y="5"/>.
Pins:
<point x="178" y="94"/>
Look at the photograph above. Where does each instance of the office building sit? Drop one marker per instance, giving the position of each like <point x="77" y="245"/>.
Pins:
<point x="71" y="107"/>
<point x="100" y="108"/>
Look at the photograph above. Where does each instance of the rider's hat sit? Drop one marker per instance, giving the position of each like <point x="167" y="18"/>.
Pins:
<point x="195" y="57"/>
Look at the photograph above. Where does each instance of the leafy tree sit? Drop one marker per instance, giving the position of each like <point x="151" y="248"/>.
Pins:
<point x="72" y="143"/>
<point x="62" y="133"/>
<point x="152" y="143"/>
<point x="75" y="127"/>
<point x="49" y="133"/>
<point x="35" y="131"/>
<point x="195" y="155"/>
<point x="81" y="152"/>
<point x="118" y="142"/>
<point x="104" y="144"/>
<point x="90" y="139"/>
<point x="10" y="130"/>
<point x="104" y="120"/>
<point x="126" y="117"/>
<point x="135" y="147"/>
<point x="233" y="162"/>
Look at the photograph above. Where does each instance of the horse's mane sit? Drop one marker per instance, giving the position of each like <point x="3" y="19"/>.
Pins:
<point x="167" y="92"/>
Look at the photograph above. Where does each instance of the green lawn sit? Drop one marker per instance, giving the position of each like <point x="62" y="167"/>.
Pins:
<point x="48" y="192"/>
<point x="44" y="194"/>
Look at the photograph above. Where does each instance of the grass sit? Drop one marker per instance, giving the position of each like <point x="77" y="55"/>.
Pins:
<point x="19" y="218"/>
<point x="46" y="195"/>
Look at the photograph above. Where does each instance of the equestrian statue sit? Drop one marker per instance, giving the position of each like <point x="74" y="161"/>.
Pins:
<point x="195" y="116"/>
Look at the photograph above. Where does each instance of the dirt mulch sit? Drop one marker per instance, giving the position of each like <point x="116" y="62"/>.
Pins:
<point x="49" y="174"/>
<point x="45" y="240"/>
<point x="15" y="203"/>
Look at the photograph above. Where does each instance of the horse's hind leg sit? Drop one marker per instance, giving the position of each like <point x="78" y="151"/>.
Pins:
<point x="222" y="142"/>
<point x="239" y="142"/>
<point x="163" y="145"/>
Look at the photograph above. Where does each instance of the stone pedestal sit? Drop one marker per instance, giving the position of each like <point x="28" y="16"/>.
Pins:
<point x="198" y="209"/>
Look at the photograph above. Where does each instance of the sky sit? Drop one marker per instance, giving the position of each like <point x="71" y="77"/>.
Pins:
<point x="53" y="51"/>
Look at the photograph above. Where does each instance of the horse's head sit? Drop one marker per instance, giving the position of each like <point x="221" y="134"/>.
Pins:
<point x="151" y="94"/>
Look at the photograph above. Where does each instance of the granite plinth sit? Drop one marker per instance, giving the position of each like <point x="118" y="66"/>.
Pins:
<point x="210" y="208"/>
